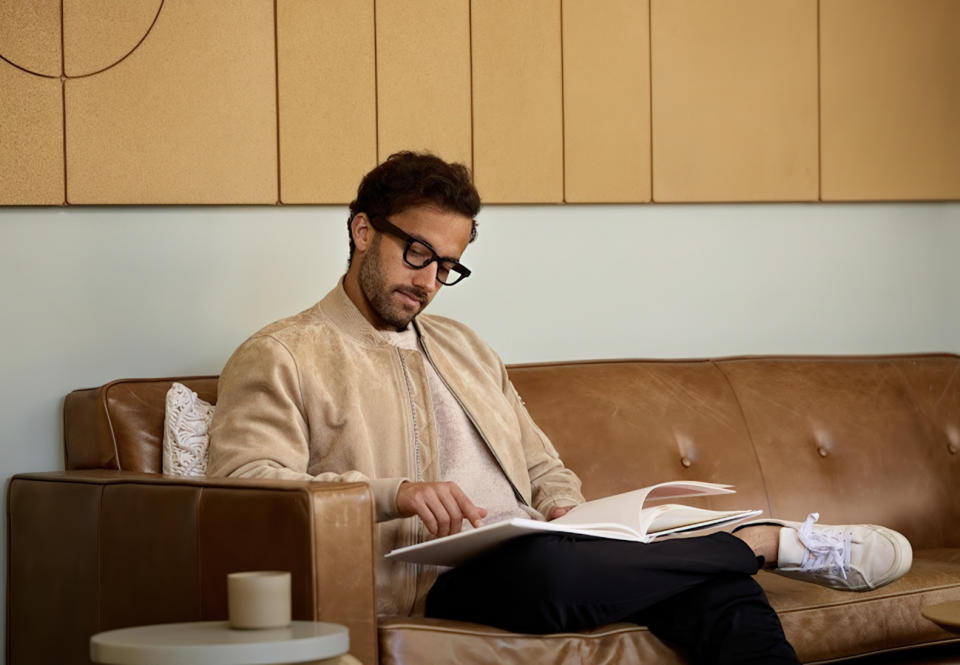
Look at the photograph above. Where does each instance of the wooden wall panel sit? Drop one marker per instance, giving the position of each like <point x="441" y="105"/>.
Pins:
<point x="99" y="33"/>
<point x="423" y="78"/>
<point x="30" y="35"/>
<point x="31" y="138"/>
<point x="890" y="95"/>
<point x="548" y="100"/>
<point x="517" y="101"/>
<point x="31" y="107"/>
<point x="734" y="88"/>
<point x="188" y="117"/>
<point x="327" y="94"/>
<point x="606" y="100"/>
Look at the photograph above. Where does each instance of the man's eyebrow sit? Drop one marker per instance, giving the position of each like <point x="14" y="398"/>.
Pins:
<point x="421" y="239"/>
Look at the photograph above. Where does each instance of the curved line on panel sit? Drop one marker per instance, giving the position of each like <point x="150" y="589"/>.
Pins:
<point x="28" y="71"/>
<point x="129" y="53"/>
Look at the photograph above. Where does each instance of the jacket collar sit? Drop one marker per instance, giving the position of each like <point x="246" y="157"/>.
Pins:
<point x="343" y="313"/>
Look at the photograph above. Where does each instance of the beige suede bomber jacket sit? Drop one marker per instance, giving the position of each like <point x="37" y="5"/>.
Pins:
<point x="322" y="395"/>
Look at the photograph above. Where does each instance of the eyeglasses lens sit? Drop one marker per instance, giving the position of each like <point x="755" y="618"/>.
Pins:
<point x="418" y="255"/>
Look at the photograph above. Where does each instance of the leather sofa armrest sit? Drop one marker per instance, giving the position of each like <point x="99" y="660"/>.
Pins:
<point x="96" y="550"/>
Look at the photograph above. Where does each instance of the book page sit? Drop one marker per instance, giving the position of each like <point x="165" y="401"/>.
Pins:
<point x="626" y="508"/>
<point x="672" y="516"/>
<point x="680" y="488"/>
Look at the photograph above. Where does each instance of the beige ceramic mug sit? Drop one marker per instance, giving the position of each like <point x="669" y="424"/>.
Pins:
<point x="258" y="599"/>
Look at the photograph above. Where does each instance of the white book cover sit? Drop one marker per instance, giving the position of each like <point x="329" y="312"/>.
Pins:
<point x="619" y="517"/>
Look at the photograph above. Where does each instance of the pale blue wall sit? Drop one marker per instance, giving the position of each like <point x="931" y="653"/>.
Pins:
<point x="93" y="294"/>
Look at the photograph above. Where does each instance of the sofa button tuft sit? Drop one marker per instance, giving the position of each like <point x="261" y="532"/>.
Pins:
<point x="822" y="451"/>
<point x="686" y="462"/>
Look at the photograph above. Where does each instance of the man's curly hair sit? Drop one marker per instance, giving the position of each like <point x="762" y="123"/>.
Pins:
<point x="407" y="179"/>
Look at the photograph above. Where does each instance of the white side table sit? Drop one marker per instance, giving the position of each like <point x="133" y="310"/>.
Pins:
<point x="946" y="615"/>
<point x="215" y="643"/>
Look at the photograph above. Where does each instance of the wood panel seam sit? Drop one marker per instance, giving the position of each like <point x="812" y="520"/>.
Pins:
<point x="650" y="88"/>
<point x="473" y="159"/>
<point x="276" y="92"/>
<point x="819" y="112"/>
<point x="563" y="116"/>
<point x="63" y="105"/>
<point x="376" y="88"/>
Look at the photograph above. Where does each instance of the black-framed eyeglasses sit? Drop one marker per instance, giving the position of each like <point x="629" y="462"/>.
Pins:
<point x="418" y="254"/>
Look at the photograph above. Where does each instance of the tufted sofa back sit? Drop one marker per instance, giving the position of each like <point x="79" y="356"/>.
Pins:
<point x="859" y="439"/>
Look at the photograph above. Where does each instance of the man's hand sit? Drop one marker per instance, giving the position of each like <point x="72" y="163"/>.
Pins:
<point x="558" y="511"/>
<point x="441" y="506"/>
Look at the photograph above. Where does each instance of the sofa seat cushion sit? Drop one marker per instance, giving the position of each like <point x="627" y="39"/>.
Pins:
<point x="406" y="640"/>
<point x="818" y="622"/>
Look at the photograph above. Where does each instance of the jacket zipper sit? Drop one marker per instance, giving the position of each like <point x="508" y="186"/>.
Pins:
<point x="473" y="421"/>
<point x="418" y="475"/>
<point x="413" y="417"/>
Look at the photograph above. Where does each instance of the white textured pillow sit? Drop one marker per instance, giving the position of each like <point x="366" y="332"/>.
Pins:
<point x="185" y="427"/>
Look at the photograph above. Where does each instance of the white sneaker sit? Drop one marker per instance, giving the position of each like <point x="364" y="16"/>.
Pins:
<point x="854" y="557"/>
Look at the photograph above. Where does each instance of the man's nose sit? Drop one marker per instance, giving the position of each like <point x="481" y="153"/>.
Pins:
<point x="426" y="278"/>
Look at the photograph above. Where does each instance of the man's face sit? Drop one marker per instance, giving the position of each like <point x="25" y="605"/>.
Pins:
<point x="394" y="292"/>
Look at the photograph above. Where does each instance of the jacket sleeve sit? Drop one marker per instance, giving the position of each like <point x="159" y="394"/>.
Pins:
<point x="259" y="427"/>
<point x="552" y="484"/>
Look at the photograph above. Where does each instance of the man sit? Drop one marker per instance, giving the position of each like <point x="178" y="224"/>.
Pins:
<point x="364" y="387"/>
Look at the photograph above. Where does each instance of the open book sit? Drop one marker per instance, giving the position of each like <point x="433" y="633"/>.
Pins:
<point x="620" y="517"/>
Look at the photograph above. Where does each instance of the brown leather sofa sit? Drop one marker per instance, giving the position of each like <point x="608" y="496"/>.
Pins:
<point x="111" y="543"/>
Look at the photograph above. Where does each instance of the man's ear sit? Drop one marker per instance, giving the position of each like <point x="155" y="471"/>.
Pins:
<point x="362" y="231"/>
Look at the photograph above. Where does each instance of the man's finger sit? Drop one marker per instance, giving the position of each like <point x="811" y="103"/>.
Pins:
<point x="453" y="508"/>
<point x="467" y="507"/>
<point x="441" y="506"/>
<point x="442" y="517"/>
<point x="425" y="513"/>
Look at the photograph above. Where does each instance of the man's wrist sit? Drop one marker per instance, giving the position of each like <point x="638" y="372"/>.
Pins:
<point x="385" y="497"/>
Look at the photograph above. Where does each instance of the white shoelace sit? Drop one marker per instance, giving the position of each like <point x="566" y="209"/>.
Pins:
<point x="825" y="548"/>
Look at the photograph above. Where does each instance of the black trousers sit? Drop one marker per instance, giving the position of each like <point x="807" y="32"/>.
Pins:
<point x="696" y="593"/>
